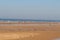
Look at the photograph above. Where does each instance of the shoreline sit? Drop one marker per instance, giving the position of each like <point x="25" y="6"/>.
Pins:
<point x="29" y="26"/>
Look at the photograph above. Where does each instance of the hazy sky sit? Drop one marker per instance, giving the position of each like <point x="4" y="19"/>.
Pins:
<point x="30" y="9"/>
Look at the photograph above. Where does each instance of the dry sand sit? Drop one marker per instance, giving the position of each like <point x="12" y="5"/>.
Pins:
<point x="30" y="31"/>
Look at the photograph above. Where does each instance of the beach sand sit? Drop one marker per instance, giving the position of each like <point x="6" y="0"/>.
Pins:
<point x="30" y="31"/>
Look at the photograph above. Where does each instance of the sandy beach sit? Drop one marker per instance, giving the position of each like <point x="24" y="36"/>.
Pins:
<point x="30" y="31"/>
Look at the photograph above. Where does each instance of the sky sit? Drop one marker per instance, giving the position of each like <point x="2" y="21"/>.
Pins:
<point x="30" y="9"/>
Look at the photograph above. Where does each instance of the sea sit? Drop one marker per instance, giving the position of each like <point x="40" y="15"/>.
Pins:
<point x="29" y="20"/>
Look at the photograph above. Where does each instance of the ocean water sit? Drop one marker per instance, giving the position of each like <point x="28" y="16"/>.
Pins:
<point x="30" y="20"/>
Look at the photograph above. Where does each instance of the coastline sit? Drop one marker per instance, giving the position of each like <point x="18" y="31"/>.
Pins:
<point x="36" y="26"/>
